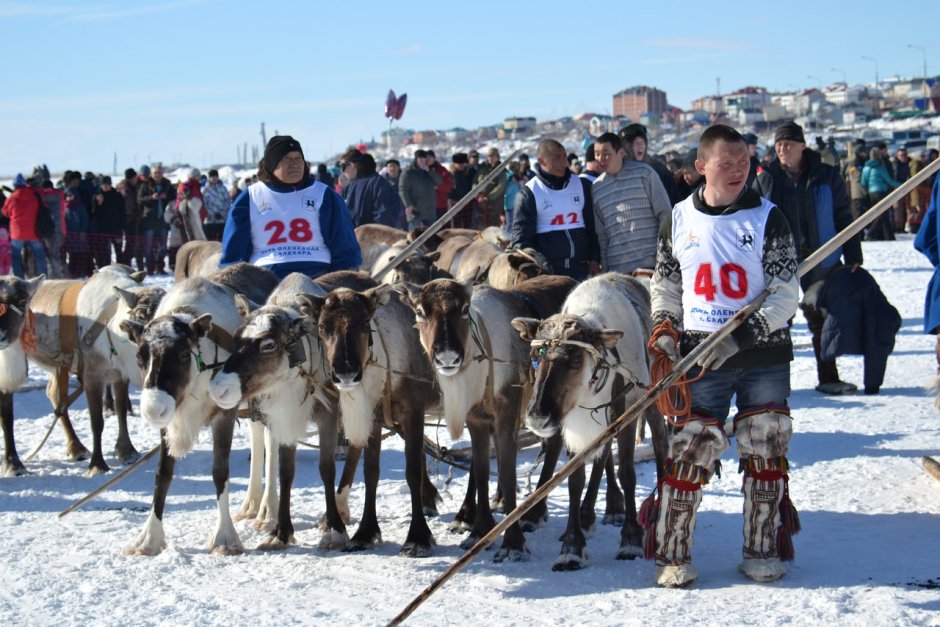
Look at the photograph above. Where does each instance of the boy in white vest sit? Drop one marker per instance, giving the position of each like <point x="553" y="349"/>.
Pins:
<point x="720" y="248"/>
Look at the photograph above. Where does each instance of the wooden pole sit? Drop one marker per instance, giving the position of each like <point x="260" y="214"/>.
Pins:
<point x="444" y="219"/>
<point x="635" y="410"/>
<point x="931" y="466"/>
<point x="107" y="484"/>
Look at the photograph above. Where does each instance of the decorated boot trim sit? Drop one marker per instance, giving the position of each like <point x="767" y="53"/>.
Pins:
<point x="753" y="410"/>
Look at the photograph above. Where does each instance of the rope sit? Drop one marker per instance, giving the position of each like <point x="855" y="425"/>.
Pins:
<point x="675" y="402"/>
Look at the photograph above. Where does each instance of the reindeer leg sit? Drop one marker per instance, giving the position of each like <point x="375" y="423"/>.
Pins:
<point x="479" y="427"/>
<point x="588" y="516"/>
<point x="94" y="393"/>
<point x="267" y="514"/>
<point x="631" y="534"/>
<point x="123" y="448"/>
<point x="573" y="543"/>
<point x="430" y="497"/>
<point x="535" y="516"/>
<point x="368" y="532"/>
<point x="615" y="510"/>
<point x="333" y="524"/>
<point x="151" y="540"/>
<point x="283" y="534"/>
<point x="57" y="389"/>
<point x="11" y="460"/>
<point x="252" y="502"/>
<point x="224" y="540"/>
<point x="109" y="404"/>
<point x="419" y="540"/>
<point x="465" y="516"/>
<point x="514" y="547"/>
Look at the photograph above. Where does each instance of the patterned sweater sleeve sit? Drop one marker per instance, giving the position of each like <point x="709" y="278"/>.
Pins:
<point x="666" y="283"/>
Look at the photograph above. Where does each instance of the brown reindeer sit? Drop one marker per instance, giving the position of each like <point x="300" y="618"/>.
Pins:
<point x="197" y="258"/>
<point x="370" y="345"/>
<point x="481" y="368"/>
<point x="15" y="295"/>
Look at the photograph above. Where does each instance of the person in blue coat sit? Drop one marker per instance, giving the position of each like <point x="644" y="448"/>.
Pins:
<point x="288" y="221"/>
<point x="371" y="198"/>
<point x="927" y="241"/>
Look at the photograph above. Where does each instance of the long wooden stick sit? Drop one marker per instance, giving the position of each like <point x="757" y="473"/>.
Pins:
<point x="444" y="219"/>
<point x="107" y="484"/>
<point x="635" y="410"/>
<point x="931" y="466"/>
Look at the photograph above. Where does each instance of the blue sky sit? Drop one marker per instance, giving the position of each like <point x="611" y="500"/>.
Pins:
<point x="188" y="80"/>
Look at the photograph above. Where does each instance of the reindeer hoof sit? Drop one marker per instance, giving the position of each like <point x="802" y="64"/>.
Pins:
<point x="13" y="469"/>
<point x="568" y="562"/>
<point x="459" y="526"/>
<point x="127" y="454"/>
<point x="227" y="551"/>
<point x="333" y="540"/>
<point x="430" y="511"/>
<point x="268" y="525"/>
<point x="629" y="552"/>
<point x="94" y="470"/>
<point x="273" y="543"/>
<point x="415" y="549"/>
<point x="614" y="518"/>
<point x="511" y="555"/>
<point x="77" y="452"/>
<point x="470" y="541"/>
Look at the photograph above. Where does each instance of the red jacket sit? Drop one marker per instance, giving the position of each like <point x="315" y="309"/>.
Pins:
<point x="447" y="184"/>
<point x="21" y="207"/>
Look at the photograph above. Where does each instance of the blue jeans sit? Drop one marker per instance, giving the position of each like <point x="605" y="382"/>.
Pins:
<point x="36" y="250"/>
<point x="751" y="387"/>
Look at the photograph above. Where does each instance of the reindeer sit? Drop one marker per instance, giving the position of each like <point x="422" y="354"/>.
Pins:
<point x="371" y="348"/>
<point x="416" y="268"/>
<point x="77" y="331"/>
<point x="277" y="360"/>
<point x="481" y="368"/>
<point x="503" y="269"/>
<point x="193" y="323"/>
<point x="604" y="326"/>
<point x="15" y="295"/>
<point x="197" y="258"/>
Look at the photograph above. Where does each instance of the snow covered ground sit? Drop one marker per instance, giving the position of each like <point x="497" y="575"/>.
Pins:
<point x="868" y="553"/>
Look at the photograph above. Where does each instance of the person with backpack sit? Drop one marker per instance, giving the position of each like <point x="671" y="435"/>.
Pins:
<point x="21" y="208"/>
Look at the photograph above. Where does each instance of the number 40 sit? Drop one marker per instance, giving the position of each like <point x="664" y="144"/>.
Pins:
<point x="732" y="278"/>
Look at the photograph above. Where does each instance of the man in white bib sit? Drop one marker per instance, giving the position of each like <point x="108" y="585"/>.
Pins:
<point x="288" y="221"/>
<point x="553" y="215"/>
<point x="719" y="249"/>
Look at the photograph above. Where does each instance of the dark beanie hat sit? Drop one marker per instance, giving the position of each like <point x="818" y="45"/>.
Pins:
<point x="791" y="131"/>
<point x="460" y="157"/>
<point x="129" y="173"/>
<point x="419" y="153"/>
<point x="589" y="153"/>
<point x="278" y="146"/>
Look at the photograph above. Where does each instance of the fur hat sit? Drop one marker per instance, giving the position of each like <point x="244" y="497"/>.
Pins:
<point x="791" y="131"/>
<point x="278" y="146"/>
<point x="460" y="157"/>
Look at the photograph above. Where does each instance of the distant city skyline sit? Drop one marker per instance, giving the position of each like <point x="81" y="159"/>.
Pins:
<point x="189" y="80"/>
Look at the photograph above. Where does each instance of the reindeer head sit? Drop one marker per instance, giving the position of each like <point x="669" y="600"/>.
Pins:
<point x="442" y="316"/>
<point x="141" y="302"/>
<point x="563" y="369"/>
<point x="15" y="295"/>
<point x="165" y="350"/>
<point x="344" y="324"/>
<point x="418" y="269"/>
<point x="264" y="345"/>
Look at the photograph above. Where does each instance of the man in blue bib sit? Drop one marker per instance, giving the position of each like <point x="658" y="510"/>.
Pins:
<point x="288" y="221"/>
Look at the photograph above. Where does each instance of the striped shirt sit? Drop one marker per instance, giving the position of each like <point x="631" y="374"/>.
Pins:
<point x="628" y="207"/>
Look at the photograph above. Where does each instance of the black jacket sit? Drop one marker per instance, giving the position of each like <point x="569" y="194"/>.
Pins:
<point x="572" y="248"/>
<point x="860" y="321"/>
<point x="372" y="200"/>
<point x="816" y="206"/>
<point x="108" y="217"/>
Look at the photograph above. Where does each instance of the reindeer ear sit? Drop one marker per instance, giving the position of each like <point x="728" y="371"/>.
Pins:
<point x="409" y="292"/>
<point x="244" y="305"/>
<point x="609" y="337"/>
<point x="201" y="325"/>
<point x="139" y="277"/>
<point x="516" y="260"/>
<point x="526" y="327"/>
<point x="433" y="256"/>
<point x="378" y="296"/>
<point x="130" y="298"/>
<point x="311" y="305"/>
<point x="132" y="329"/>
<point x="303" y="325"/>
<point x="33" y="284"/>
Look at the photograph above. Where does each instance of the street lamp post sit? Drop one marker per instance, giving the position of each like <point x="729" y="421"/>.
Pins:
<point x="877" y="89"/>
<point x="924" y="52"/>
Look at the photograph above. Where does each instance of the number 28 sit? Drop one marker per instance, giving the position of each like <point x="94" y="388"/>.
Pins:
<point x="299" y="231"/>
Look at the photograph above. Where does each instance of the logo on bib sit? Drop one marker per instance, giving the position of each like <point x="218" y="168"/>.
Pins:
<point x="745" y="240"/>
<point x="309" y="203"/>
<point x="264" y="207"/>
<point x="691" y="241"/>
